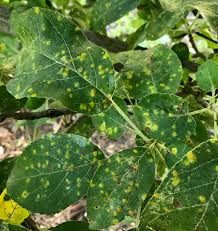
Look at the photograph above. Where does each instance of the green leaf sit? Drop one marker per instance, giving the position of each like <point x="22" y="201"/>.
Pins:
<point x="207" y="76"/>
<point x="146" y="72"/>
<point x="187" y="198"/>
<point x="34" y="103"/>
<point x="165" y="117"/>
<point x="8" y="104"/>
<point x="58" y="62"/>
<point x="5" y="169"/>
<point x="161" y="24"/>
<point x="105" y="12"/>
<point x="175" y="153"/>
<point x="182" y="51"/>
<point x="110" y="121"/>
<point x="208" y="8"/>
<point x="72" y="225"/>
<point x="9" y="227"/>
<point x="53" y="172"/>
<point x="119" y="187"/>
<point x="83" y="127"/>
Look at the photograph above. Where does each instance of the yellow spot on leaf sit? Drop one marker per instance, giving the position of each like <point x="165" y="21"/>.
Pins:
<point x="93" y="93"/>
<point x="37" y="10"/>
<point x="175" y="180"/>
<point x="174" y="151"/>
<point x="202" y="199"/>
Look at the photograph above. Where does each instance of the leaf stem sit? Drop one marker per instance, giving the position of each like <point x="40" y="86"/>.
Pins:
<point x="198" y="111"/>
<point x="129" y="121"/>
<point x="213" y="101"/>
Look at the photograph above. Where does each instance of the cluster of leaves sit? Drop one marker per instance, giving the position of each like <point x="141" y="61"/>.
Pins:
<point x="166" y="96"/>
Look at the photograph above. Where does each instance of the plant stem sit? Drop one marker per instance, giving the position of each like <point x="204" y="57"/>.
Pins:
<point x="213" y="101"/>
<point x="198" y="111"/>
<point x="129" y="121"/>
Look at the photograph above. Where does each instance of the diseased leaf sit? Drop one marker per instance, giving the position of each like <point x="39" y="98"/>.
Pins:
<point x="5" y="169"/>
<point x="105" y="12"/>
<point x="164" y="117"/>
<point x="58" y="62"/>
<point x="209" y="8"/>
<point x="207" y="76"/>
<point x="176" y="152"/>
<point x="119" y="186"/>
<point x="110" y="121"/>
<point x="155" y="70"/>
<point x="187" y="198"/>
<point x="8" y="103"/>
<point x="10" y="211"/>
<point x="72" y="225"/>
<point x="83" y="127"/>
<point x="53" y="172"/>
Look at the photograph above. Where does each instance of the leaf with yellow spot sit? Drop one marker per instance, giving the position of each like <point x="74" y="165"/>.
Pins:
<point x="119" y="186"/>
<point x="69" y="68"/>
<point x="156" y="70"/>
<point x="165" y="117"/>
<point x="188" y="196"/>
<point x="54" y="172"/>
<point x="110" y="121"/>
<point x="10" y="211"/>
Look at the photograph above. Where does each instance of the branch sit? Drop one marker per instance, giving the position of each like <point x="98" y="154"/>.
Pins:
<point x="204" y="36"/>
<point x="198" y="53"/>
<point x="110" y="44"/>
<point x="51" y="113"/>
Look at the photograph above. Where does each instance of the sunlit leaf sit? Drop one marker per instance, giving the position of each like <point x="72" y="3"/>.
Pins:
<point x="10" y="211"/>
<point x="58" y="62"/>
<point x="119" y="187"/>
<point x="165" y="117"/>
<point x="187" y="198"/>
<point x="53" y="172"/>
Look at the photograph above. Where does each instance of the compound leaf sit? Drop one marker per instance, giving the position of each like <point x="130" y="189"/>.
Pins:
<point x="10" y="211"/>
<point x="119" y="187"/>
<point x="187" y="198"/>
<point x="110" y="121"/>
<point x="155" y="70"/>
<point x="58" y="62"/>
<point x="207" y="76"/>
<point x="165" y="117"/>
<point x="106" y="12"/>
<point x="53" y="172"/>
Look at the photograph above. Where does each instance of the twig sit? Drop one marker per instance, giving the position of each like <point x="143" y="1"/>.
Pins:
<point x="51" y="113"/>
<point x="198" y="53"/>
<point x="204" y="36"/>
